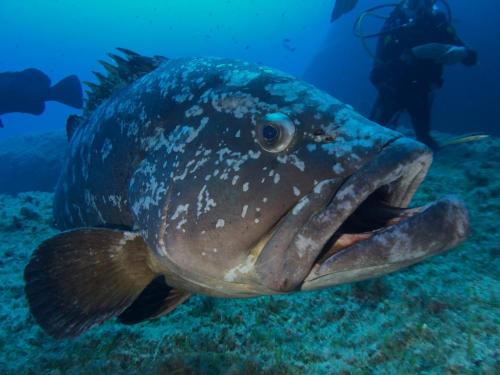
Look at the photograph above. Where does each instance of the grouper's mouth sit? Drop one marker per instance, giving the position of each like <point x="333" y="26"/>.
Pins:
<point x="362" y="228"/>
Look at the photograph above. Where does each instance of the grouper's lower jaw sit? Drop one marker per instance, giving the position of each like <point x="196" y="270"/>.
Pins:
<point x="436" y="228"/>
<point x="298" y="255"/>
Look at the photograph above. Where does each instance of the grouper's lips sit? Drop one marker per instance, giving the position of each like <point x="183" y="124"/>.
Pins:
<point x="421" y="233"/>
<point x="339" y="256"/>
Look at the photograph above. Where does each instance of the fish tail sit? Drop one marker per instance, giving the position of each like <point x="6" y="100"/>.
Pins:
<point x="468" y="138"/>
<point x="67" y="91"/>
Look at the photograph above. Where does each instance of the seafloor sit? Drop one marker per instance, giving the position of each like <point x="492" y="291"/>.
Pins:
<point x="441" y="316"/>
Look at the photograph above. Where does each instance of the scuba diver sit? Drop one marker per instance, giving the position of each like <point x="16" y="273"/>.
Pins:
<point x="28" y="90"/>
<point x="416" y="41"/>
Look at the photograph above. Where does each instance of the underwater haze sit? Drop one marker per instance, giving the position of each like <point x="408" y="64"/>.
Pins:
<point x="71" y="36"/>
<point x="263" y="179"/>
<point x="293" y="35"/>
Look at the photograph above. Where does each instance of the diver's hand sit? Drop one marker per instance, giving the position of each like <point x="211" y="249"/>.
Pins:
<point x="445" y="54"/>
<point x="471" y="58"/>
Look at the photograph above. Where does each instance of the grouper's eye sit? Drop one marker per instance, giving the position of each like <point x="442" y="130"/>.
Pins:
<point x="275" y="132"/>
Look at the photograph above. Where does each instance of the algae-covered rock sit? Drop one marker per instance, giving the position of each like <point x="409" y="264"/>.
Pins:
<point x="440" y="316"/>
<point x="31" y="162"/>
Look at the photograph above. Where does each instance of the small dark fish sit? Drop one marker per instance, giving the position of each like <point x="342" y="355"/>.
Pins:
<point x="28" y="90"/>
<point x="287" y="44"/>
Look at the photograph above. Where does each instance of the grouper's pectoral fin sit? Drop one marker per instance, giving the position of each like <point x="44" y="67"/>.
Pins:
<point x="80" y="278"/>
<point x="156" y="300"/>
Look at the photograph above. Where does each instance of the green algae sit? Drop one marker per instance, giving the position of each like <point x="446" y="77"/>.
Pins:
<point x="440" y="316"/>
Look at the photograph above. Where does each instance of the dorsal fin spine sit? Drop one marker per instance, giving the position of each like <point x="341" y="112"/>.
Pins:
<point x="127" y="69"/>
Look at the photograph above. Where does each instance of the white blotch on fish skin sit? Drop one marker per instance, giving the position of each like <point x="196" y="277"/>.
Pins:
<point x="290" y="91"/>
<point x="256" y="221"/>
<point x="215" y="250"/>
<point x="312" y="147"/>
<point x="299" y="206"/>
<point x="151" y="190"/>
<point x="294" y="160"/>
<point x="264" y="199"/>
<point x="296" y="191"/>
<point x="107" y="146"/>
<point x="244" y="211"/>
<point x="240" y="78"/>
<point x="199" y="163"/>
<point x="133" y="127"/>
<point x="257" y="209"/>
<point x="246" y="186"/>
<point x="298" y="163"/>
<point x="346" y="192"/>
<point x="116" y="201"/>
<point x="195" y="110"/>
<point x="182" y="176"/>
<point x="345" y="206"/>
<point x="234" y="160"/>
<point x="338" y="169"/>
<point x="90" y="201"/>
<point x="254" y="154"/>
<point x="182" y="209"/>
<point x="244" y="268"/>
<point x="194" y="132"/>
<point x="238" y="104"/>
<point x="319" y="186"/>
<point x="276" y="178"/>
<point x="304" y="245"/>
<point x="203" y="253"/>
<point x="181" y="98"/>
<point x="204" y="202"/>
<point x="180" y="224"/>
<point x="220" y="223"/>
<point x="235" y="180"/>
<point x="238" y="134"/>
<point x="175" y="140"/>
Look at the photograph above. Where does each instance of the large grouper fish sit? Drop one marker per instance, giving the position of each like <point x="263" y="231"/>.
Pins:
<point x="222" y="177"/>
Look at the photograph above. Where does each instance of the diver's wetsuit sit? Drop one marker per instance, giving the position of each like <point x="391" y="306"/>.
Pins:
<point x="404" y="82"/>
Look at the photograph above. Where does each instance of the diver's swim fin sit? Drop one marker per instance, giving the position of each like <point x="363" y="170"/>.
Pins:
<point x="342" y="7"/>
<point x="67" y="91"/>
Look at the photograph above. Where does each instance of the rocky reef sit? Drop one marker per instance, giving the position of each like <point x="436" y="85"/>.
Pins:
<point x="31" y="162"/>
<point x="440" y="316"/>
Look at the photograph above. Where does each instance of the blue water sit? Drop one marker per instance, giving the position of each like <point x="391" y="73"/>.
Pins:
<point x="68" y="37"/>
